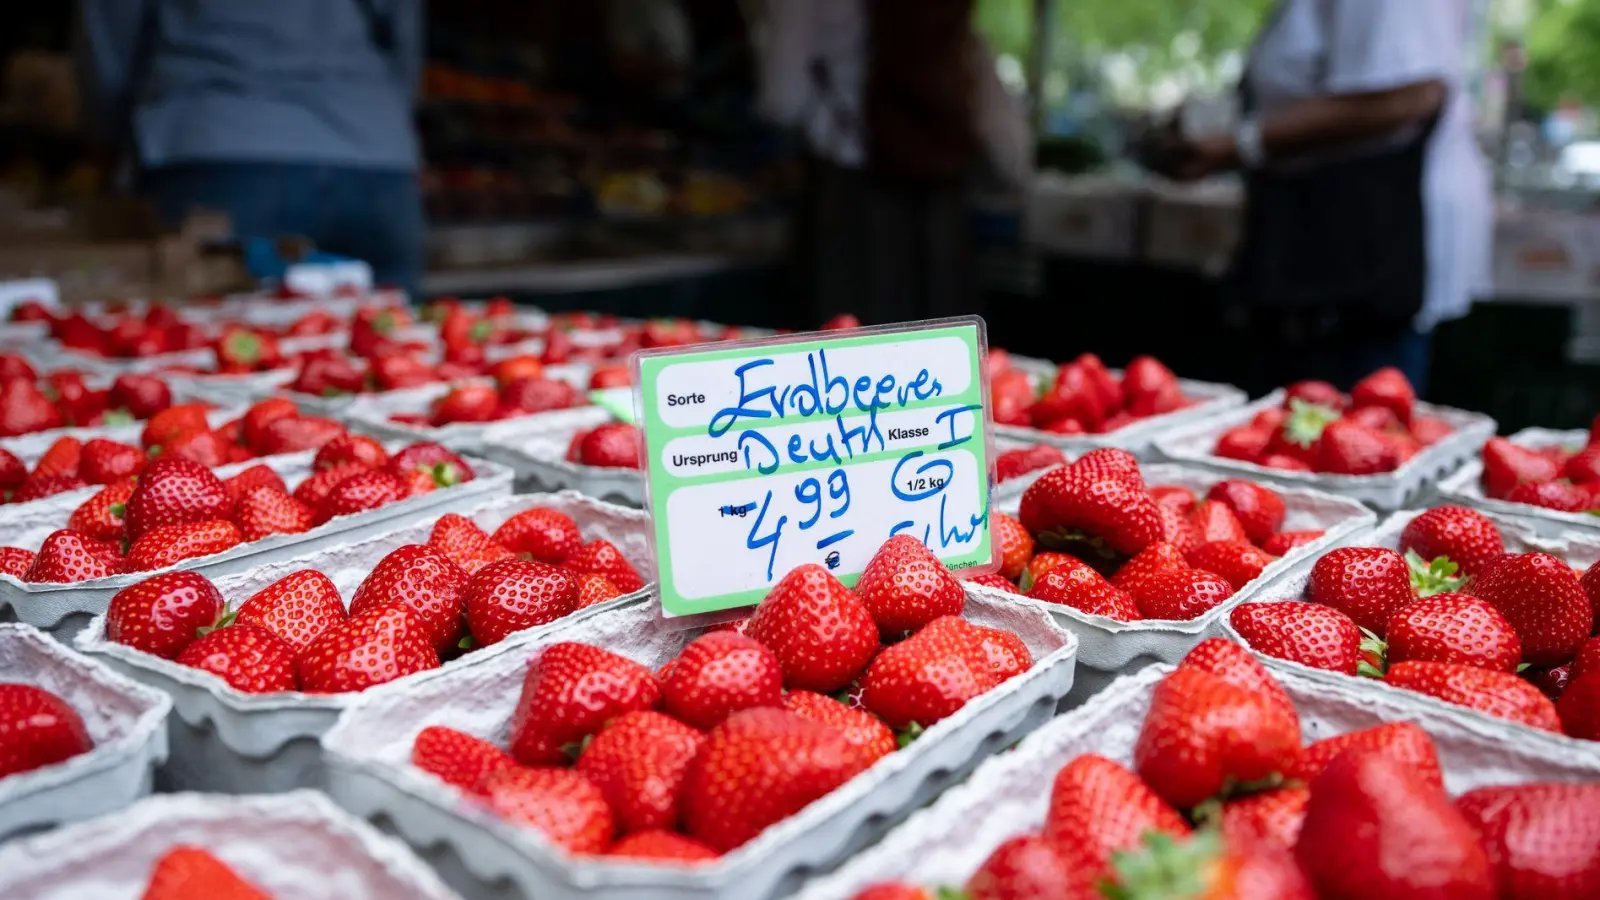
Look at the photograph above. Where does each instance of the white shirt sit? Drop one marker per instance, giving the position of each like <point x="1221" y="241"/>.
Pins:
<point x="798" y="36"/>
<point x="1317" y="48"/>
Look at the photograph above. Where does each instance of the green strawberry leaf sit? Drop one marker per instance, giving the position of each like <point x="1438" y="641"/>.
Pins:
<point x="1306" y="422"/>
<point x="1522" y="667"/>
<point x="911" y="733"/>
<point x="1375" y="656"/>
<point x="1437" y="576"/>
<point x="1165" y="867"/>
<point x="119" y="416"/>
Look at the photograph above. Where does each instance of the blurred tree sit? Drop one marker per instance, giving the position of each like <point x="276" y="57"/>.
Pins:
<point x="1563" y="46"/>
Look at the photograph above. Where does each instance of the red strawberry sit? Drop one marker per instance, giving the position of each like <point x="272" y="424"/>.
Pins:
<point x="313" y="492"/>
<point x="1316" y="393"/>
<point x="1238" y="563"/>
<point x="249" y="658"/>
<point x="601" y="557"/>
<point x="996" y="581"/>
<point x="570" y="692"/>
<point x="38" y="487"/>
<point x="565" y="807"/>
<point x="61" y="458"/>
<point x="928" y="676"/>
<point x="1453" y="628"/>
<point x="264" y="511"/>
<point x="1583" y="467"/>
<point x="175" y="492"/>
<point x="1348" y="448"/>
<point x="100" y="517"/>
<point x="1077" y="585"/>
<point x="172" y="544"/>
<point x="1247" y="443"/>
<point x="372" y="647"/>
<point x="904" y="587"/>
<point x="1497" y="694"/>
<point x="351" y="448"/>
<point x="37" y="729"/>
<point x="1506" y="465"/>
<point x="614" y="445"/>
<point x="1180" y="594"/>
<point x="661" y="847"/>
<point x="1157" y="557"/>
<point x="1259" y="510"/>
<point x="1042" y="563"/>
<point x="1365" y="583"/>
<point x="1026" y="867"/>
<point x="1306" y="633"/>
<point x="467" y="403"/>
<point x="192" y="873"/>
<point x="1007" y="653"/>
<point x="858" y="726"/>
<point x="513" y="595"/>
<point x="1216" y="522"/>
<point x="25" y="409"/>
<point x="758" y="768"/>
<point x="1543" y="840"/>
<point x="1237" y="666"/>
<point x="442" y="466"/>
<point x="1016" y="463"/>
<point x="1465" y="536"/>
<point x="458" y="758"/>
<point x="253" y="477"/>
<point x="253" y="424"/>
<point x="67" y="557"/>
<point x="208" y="448"/>
<point x="173" y="423"/>
<point x="1179" y="498"/>
<point x="298" y="608"/>
<point x="295" y="434"/>
<point x="12" y="470"/>
<point x="1591" y="586"/>
<point x="1110" y="462"/>
<point x="1014" y="541"/>
<point x="15" y="561"/>
<point x="1561" y="496"/>
<point x="423" y="581"/>
<point x="104" y="462"/>
<point x="1078" y="499"/>
<point x="361" y="492"/>
<point x="1579" y="707"/>
<point x="459" y="538"/>
<point x="1272" y="818"/>
<point x="594" y="590"/>
<point x="819" y="629"/>
<point x="1285" y="463"/>
<point x="537" y="395"/>
<point x="1387" y="388"/>
<point x="718" y="674"/>
<point x="1541" y="597"/>
<point x="1429" y="430"/>
<point x="1281" y="543"/>
<point x="1202" y="734"/>
<point x="163" y="615"/>
<point x="1098" y="808"/>
<point x="545" y="535"/>
<point x="1404" y="742"/>
<point x="1178" y="529"/>
<point x="638" y="762"/>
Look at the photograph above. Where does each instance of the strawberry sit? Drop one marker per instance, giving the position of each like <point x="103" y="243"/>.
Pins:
<point x="1464" y="536"/>
<point x="264" y="511"/>
<point x="1202" y="734"/>
<point x="443" y="467"/>
<point x="1238" y="563"/>
<point x="1259" y="510"/>
<point x="172" y="423"/>
<point x="249" y="658"/>
<point x="1551" y="681"/>
<point x="1377" y="828"/>
<point x="12" y="470"/>
<point x="1306" y="633"/>
<point x="1348" y="448"/>
<point x="1272" y="818"/>
<point x="1543" y="840"/>
<point x="1561" y="496"/>
<point x="25" y="409"/>
<point x="1158" y="557"/>
<point x="760" y="767"/>
<point x="458" y="758"/>
<point x="1404" y="742"/>
<point x="253" y="477"/>
<point x="1014" y="541"/>
<point x="15" y="561"/>
<point x="1542" y="599"/>
<point x="1098" y="808"/>
<point x="459" y="538"/>
<point x="1180" y="594"/>
<point x="1179" y="498"/>
<point x="562" y="805"/>
<point x="1007" y="653"/>
<point x="662" y="847"/>
<point x="718" y="674"/>
<point x="1237" y="666"/>
<point x="100" y="516"/>
<point x="638" y="761"/>
<point x="372" y="647"/>
<point x="294" y="434"/>
<point x="513" y="595"/>
<point x="468" y="403"/>
<point x="360" y="492"/>
<point x="1387" y="388"/>
<point x="61" y="458"/>
<point x="208" y="448"/>
<point x="1579" y="707"/>
<point x="253" y="424"/>
<point x="1281" y="543"/>
<point x="38" y="487"/>
<point x="297" y="608"/>
<point x="313" y="492"/>
<point x="1042" y="563"/>
<point x="858" y="726"/>
<point x="1080" y="501"/>
<point x="1506" y="465"/>
<point x="1591" y="586"/>
<point x="1498" y="694"/>
<point x="523" y="396"/>
<point x="105" y="462"/>
<point x="819" y="629"/>
<point x="1214" y="521"/>
<point x="996" y="581"/>
<point x="1285" y="463"/>
<point x="1178" y="529"/>
<point x="1026" y="867"/>
<point x="928" y="676"/>
<point x="67" y="557"/>
<point x="542" y="534"/>
<point x="351" y="448"/>
<point x="423" y="581"/>
<point x="1316" y="393"/>
<point x="1077" y="585"/>
<point x="1453" y="628"/>
<point x="1365" y="583"/>
<point x="570" y="692"/>
<point x="37" y="729"/>
<point x="191" y="873"/>
<point x="163" y="615"/>
<point x="172" y="544"/>
<point x="174" y="492"/>
<point x="1210" y="868"/>
<point x="1246" y="443"/>
<point x="1112" y="463"/>
<point x="614" y="445"/>
<point x="594" y="590"/>
<point x="241" y="349"/>
<point x="1583" y="467"/>
<point x="904" y="586"/>
<point x="1016" y="463"/>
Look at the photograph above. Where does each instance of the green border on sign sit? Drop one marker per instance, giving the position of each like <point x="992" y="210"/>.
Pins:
<point x="661" y="483"/>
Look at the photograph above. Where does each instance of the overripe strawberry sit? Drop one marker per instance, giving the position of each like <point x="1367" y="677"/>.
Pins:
<point x="1238" y="563"/>
<point x="1259" y="510"/>
<point x="1281" y="543"/>
<point x="638" y="761"/>
<point x="37" y="729"/>
<point x="1026" y="867"/>
<point x="1365" y="583"/>
<point x="459" y="538"/>
<point x="560" y="804"/>
<point x="928" y="676"/>
<point x="1498" y="694"/>
<point x="859" y="727"/>
<point x="12" y="471"/>
<point x="100" y="517"/>
<point x="513" y="595"/>
<point x="370" y="648"/>
<point x="67" y="557"/>
<point x="1551" y="681"/>
<point x="423" y="581"/>
<point x="264" y="511"/>
<point x="1098" y="808"/>
<point x="169" y="545"/>
<point x="360" y="492"/>
<point x="545" y="535"/>
<point x="187" y="872"/>
<point x="351" y="448"/>
<point x="1506" y="465"/>
<point x="1077" y="585"/>
<point x="1404" y="742"/>
<point x="819" y="629"/>
<point x="904" y="586"/>
<point x="249" y="658"/>
<point x="1453" y="628"/>
<point x="1272" y="817"/>
<point x="1542" y="599"/>
<point x="38" y="487"/>
<point x="662" y="847"/>
<point x="1180" y="594"/>
<point x="718" y="674"/>
<point x="1306" y="633"/>
<point x="298" y="608"/>
<point x="174" y="492"/>
<point x="760" y="767"/>
<point x="1016" y="463"/>
<point x="594" y="590"/>
<point x="163" y="615"/>
<point x="570" y="692"/>
<point x="15" y="561"/>
<point x="458" y="758"/>
<point x="1015" y="543"/>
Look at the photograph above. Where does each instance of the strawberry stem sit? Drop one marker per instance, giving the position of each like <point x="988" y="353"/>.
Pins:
<point x="1374" y="656"/>
<point x="1306" y="422"/>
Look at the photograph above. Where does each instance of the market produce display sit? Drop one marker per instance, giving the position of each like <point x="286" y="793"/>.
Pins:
<point x="1084" y="396"/>
<point x="1559" y="478"/>
<point x="68" y="398"/>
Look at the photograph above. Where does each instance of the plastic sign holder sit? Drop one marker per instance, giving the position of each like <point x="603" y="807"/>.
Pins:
<point x="761" y="456"/>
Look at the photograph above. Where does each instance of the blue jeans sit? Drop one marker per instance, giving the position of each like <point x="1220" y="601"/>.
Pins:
<point x="368" y="214"/>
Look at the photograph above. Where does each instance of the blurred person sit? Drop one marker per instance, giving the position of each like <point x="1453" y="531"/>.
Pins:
<point x="1368" y="203"/>
<point x="896" y="103"/>
<point x="294" y="116"/>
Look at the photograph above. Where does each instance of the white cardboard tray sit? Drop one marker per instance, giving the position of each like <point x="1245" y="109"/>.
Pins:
<point x="537" y="452"/>
<point x="1466" y="488"/>
<point x="29" y="447"/>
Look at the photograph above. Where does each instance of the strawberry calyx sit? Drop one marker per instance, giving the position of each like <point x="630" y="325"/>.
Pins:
<point x="445" y="474"/>
<point x="481" y="331"/>
<point x="1374" y="656"/>
<point x="1436" y="576"/>
<point x="1166" y="868"/>
<point x="1306" y="421"/>
<point x="223" y="621"/>
<point x="119" y="416"/>
<point x="243" y="347"/>
<point x="910" y="733"/>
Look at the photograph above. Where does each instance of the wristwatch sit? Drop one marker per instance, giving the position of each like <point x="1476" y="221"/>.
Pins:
<point x="1247" y="143"/>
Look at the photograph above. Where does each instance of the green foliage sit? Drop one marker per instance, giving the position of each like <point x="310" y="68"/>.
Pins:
<point x="1563" y="44"/>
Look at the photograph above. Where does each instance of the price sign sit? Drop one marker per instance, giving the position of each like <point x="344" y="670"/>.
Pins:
<point x="765" y="455"/>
